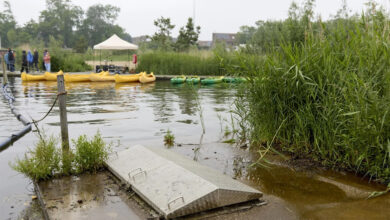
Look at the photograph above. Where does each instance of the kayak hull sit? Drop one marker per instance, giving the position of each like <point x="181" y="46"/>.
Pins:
<point x="126" y="78"/>
<point x="212" y="80"/>
<point x="234" y="80"/>
<point x="52" y="76"/>
<point x="178" y="80"/>
<point x="193" y="80"/>
<point x="29" y="77"/>
<point x="76" y="78"/>
<point x="147" y="78"/>
<point x="101" y="78"/>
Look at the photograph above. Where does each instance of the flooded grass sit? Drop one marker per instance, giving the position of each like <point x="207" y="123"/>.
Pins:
<point x="329" y="97"/>
<point x="45" y="160"/>
<point x="169" y="138"/>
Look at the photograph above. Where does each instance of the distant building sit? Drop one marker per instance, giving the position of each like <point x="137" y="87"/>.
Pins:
<point x="228" y="38"/>
<point x="204" y="44"/>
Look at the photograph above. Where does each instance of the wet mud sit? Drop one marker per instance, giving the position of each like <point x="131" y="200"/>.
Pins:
<point x="92" y="196"/>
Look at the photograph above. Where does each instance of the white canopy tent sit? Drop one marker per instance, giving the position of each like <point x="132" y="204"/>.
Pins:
<point x="116" y="43"/>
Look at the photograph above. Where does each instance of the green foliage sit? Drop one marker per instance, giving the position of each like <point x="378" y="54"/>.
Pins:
<point x="81" y="45"/>
<point x="188" y="36"/>
<point x="99" y="24"/>
<point x="46" y="160"/>
<point x="7" y="23"/>
<point x="169" y="138"/>
<point x="69" y="62"/>
<point x="162" y="38"/>
<point x="40" y="163"/>
<point x="59" y="19"/>
<point x="327" y="98"/>
<point x="65" y="22"/>
<point x="90" y="154"/>
<point x="170" y="63"/>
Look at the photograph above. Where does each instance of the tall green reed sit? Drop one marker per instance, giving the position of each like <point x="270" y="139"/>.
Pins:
<point x="330" y="94"/>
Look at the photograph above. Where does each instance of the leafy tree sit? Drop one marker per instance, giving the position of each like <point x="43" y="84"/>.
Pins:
<point x="11" y="34"/>
<point x="99" y="24"/>
<point x="59" y="20"/>
<point x="162" y="38"/>
<point x="188" y="36"/>
<point x="81" y="45"/>
<point x="7" y="23"/>
<point x="245" y="34"/>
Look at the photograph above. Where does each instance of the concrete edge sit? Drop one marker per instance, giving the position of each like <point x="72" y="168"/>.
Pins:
<point x="40" y="200"/>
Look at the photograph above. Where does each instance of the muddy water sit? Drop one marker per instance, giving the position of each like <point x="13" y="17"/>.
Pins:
<point x="140" y="114"/>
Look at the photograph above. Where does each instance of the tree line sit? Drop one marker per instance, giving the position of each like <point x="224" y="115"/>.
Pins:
<point x="62" y="20"/>
<point x="300" y="24"/>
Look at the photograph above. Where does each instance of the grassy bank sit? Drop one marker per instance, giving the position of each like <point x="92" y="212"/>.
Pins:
<point x="171" y="63"/>
<point x="327" y="98"/>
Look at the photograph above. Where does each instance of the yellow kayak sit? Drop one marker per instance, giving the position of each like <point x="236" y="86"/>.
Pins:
<point x="126" y="78"/>
<point x="147" y="78"/>
<point x="82" y="77"/>
<point x="101" y="78"/>
<point x="76" y="77"/>
<point x="29" y="77"/>
<point x="52" y="76"/>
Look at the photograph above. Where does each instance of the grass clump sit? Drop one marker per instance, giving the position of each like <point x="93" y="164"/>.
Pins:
<point x="46" y="160"/>
<point x="169" y="138"/>
<point x="90" y="154"/>
<point x="42" y="162"/>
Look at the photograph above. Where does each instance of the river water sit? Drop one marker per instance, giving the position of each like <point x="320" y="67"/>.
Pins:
<point x="132" y="114"/>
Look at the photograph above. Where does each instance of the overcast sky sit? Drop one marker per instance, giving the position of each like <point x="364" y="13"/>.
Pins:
<point x="137" y="16"/>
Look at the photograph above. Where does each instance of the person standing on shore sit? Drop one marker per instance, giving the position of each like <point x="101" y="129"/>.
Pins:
<point x="36" y="60"/>
<point x="29" y="59"/>
<point x="24" y="62"/>
<point x="11" y="59"/>
<point x="6" y="60"/>
<point x="46" y="59"/>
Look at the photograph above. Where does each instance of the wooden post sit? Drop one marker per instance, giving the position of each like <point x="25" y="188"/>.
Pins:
<point x="63" y="115"/>
<point x="5" y="78"/>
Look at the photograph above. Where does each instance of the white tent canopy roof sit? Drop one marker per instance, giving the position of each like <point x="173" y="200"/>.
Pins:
<point x="115" y="43"/>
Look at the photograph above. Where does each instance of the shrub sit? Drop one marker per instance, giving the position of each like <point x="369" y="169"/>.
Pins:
<point x="169" y="138"/>
<point x="42" y="162"/>
<point x="90" y="155"/>
<point x="46" y="160"/>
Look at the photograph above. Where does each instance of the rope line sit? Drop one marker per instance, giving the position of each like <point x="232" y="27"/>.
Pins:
<point x="51" y="108"/>
<point x="7" y="93"/>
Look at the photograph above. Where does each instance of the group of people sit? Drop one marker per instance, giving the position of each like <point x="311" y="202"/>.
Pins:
<point x="29" y="60"/>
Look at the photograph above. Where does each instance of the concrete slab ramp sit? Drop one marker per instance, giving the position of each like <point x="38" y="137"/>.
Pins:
<point x="175" y="185"/>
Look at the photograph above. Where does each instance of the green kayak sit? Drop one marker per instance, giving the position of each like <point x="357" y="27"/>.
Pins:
<point x="178" y="80"/>
<point x="233" y="79"/>
<point x="212" y="80"/>
<point x="193" y="80"/>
